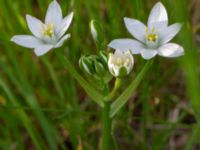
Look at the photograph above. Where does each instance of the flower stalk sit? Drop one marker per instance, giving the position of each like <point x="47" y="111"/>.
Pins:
<point x="107" y="124"/>
<point x="113" y="92"/>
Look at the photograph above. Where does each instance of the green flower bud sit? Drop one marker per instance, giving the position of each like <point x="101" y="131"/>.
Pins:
<point x="97" y="33"/>
<point x="104" y="58"/>
<point x="86" y="64"/>
<point x="96" y="66"/>
<point x="99" y="68"/>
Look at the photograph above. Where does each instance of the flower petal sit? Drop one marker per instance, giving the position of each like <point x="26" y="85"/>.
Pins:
<point x="136" y="28"/>
<point x="158" y="14"/>
<point x="157" y="26"/>
<point x="41" y="50"/>
<point x="54" y="14"/>
<point x="171" y="50"/>
<point x="26" y="41"/>
<point x="169" y="33"/>
<point x="148" y="53"/>
<point x="35" y="25"/>
<point x="62" y="28"/>
<point x="62" y="40"/>
<point x="126" y="44"/>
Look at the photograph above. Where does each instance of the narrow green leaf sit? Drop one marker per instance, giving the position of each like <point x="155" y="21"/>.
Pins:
<point x="22" y="115"/>
<point x="20" y="80"/>
<point x="123" y="98"/>
<point x="54" y="78"/>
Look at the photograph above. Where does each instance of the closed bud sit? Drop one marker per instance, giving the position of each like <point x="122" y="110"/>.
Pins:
<point x="96" y="66"/>
<point x="97" y="33"/>
<point x="120" y="63"/>
<point x="103" y="57"/>
<point x="99" y="68"/>
<point x="86" y="64"/>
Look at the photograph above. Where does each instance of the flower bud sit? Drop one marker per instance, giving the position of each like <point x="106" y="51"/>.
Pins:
<point x="96" y="66"/>
<point x="104" y="58"/>
<point x="99" y="68"/>
<point x="97" y="33"/>
<point x="120" y="63"/>
<point x="86" y="64"/>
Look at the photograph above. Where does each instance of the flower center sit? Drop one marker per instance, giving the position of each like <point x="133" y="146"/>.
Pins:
<point x="48" y="30"/>
<point x="151" y="37"/>
<point x="118" y="62"/>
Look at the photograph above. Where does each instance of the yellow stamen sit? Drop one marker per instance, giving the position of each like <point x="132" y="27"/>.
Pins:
<point x="152" y="37"/>
<point x="48" y="30"/>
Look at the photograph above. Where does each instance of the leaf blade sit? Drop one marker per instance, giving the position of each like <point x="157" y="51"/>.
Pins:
<point x="123" y="98"/>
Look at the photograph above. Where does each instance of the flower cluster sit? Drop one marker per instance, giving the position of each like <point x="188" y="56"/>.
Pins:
<point x="151" y="40"/>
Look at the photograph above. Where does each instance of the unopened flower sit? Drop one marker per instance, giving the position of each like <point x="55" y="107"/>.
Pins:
<point x="120" y="63"/>
<point x="152" y="39"/>
<point x="47" y="35"/>
<point x="96" y="66"/>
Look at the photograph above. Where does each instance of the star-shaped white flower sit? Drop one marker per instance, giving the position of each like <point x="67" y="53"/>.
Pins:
<point x="152" y="39"/>
<point x="47" y="35"/>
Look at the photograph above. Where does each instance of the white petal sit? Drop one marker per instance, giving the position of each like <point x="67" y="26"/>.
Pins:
<point x="62" y="40"/>
<point x="136" y="28"/>
<point x="171" y="50"/>
<point x="62" y="28"/>
<point x="148" y="53"/>
<point x="48" y="39"/>
<point x="158" y="26"/>
<point x="126" y="44"/>
<point x="110" y="59"/>
<point x="35" y="25"/>
<point x="54" y="13"/>
<point x="116" y="70"/>
<point x="41" y="50"/>
<point x="158" y="14"/>
<point x="129" y="66"/>
<point x="26" y="41"/>
<point x="169" y="33"/>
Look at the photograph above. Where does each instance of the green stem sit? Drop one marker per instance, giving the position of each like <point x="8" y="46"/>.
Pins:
<point x="107" y="122"/>
<point x="113" y="92"/>
<point x="114" y="142"/>
<point x="145" y="115"/>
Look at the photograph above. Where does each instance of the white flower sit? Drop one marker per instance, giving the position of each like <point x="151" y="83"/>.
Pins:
<point x="120" y="63"/>
<point x="47" y="35"/>
<point x="152" y="39"/>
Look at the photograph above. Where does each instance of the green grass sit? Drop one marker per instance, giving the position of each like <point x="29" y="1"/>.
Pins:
<point x="45" y="108"/>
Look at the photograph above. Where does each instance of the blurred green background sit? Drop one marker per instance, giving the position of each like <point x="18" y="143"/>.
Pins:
<point x="42" y="107"/>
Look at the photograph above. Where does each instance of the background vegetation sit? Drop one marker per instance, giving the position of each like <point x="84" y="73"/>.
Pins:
<point x="43" y="107"/>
